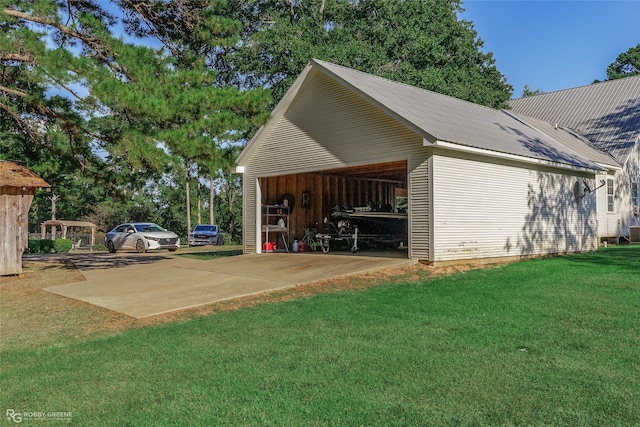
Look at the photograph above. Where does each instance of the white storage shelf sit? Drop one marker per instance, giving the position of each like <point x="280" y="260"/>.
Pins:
<point x="275" y="226"/>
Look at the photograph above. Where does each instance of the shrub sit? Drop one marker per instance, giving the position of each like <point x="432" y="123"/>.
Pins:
<point x="46" y="245"/>
<point x="62" y="245"/>
<point x="99" y="248"/>
<point x="33" y="246"/>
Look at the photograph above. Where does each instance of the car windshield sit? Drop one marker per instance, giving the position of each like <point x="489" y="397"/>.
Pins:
<point x="148" y="227"/>
<point x="206" y="228"/>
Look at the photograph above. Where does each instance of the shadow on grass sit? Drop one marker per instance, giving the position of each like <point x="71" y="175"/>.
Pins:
<point x="625" y="257"/>
<point x="212" y="254"/>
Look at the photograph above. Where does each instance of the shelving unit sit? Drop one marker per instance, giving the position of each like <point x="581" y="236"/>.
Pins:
<point x="275" y="220"/>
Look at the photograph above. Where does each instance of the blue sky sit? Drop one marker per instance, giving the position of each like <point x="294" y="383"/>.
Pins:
<point x="554" y="45"/>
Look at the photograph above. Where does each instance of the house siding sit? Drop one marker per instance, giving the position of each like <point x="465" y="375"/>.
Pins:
<point x="327" y="127"/>
<point x="616" y="223"/>
<point x="486" y="209"/>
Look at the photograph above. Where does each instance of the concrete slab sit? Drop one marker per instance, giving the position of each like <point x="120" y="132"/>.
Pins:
<point x="142" y="285"/>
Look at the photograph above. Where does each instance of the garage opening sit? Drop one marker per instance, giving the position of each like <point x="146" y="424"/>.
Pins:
<point x="360" y="209"/>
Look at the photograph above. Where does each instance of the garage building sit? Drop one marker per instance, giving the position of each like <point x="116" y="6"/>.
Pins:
<point x="472" y="182"/>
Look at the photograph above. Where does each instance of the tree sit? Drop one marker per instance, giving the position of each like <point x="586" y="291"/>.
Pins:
<point x="528" y="92"/>
<point x="418" y="42"/>
<point x="131" y="112"/>
<point x="626" y="64"/>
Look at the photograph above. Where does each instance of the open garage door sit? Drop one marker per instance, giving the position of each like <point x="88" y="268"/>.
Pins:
<point x="357" y="209"/>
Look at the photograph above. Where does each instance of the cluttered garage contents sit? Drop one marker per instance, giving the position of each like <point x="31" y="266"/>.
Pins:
<point x="344" y="210"/>
<point x="353" y="228"/>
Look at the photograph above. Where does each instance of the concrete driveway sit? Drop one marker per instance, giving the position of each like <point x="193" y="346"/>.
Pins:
<point x="142" y="285"/>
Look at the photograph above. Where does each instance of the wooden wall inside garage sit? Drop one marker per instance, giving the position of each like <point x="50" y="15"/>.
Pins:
<point x="326" y="191"/>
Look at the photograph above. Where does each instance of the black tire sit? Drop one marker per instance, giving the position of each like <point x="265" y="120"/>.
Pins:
<point x="173" y="249"/>
<point x="111" y="247"/>
<point x="140" y="246"/>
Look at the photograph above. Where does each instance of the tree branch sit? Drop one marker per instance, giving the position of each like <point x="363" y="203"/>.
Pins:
<point x="13" y="91"/>
<point x="92" y="42"/>
<point x="18" y="57"/>
<point x="21" y="123"/>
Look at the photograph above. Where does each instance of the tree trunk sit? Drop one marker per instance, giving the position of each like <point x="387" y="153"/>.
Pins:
<point x="188" y="199"/>
<point x="211" y="200"/>
<point x="199" y="203"/>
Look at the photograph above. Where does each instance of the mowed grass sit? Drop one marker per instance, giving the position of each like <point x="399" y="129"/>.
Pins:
<point x="551" y="341"/>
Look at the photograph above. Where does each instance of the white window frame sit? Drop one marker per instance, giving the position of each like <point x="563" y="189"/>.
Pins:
<point x="610" y="196"/>
<point x="635" y="195"/>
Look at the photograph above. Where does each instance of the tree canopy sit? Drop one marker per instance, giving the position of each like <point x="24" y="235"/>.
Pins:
<point x="78" y="92"/>
<point x="626" y="64"/>
<point x="417" y="42"/>
<point x="120" y="105"/>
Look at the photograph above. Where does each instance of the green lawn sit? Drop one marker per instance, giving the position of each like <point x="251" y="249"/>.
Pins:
<point x="540" y="342"/>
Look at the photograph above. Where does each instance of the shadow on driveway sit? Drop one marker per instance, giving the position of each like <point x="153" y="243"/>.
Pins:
<point x="86" y="261"/>
<point x="142" y="285"/>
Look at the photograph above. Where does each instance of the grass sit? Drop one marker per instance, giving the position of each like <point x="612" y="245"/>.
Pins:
<point x="210" y="252"/>
<point x="541" y="342"/>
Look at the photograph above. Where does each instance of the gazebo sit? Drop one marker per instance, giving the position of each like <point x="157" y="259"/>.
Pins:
<point x="17" y="188"/>
<point x="66" y="225"/>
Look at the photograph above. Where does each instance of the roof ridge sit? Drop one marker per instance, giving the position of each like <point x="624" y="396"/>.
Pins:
<point x="321" y="62"/>
<point x="590" y="85"/>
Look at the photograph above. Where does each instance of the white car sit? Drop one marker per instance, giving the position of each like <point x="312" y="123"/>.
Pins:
<point x="140" y="237"/>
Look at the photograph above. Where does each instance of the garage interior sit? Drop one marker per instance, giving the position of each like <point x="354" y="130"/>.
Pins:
<point x="334" y="203"/>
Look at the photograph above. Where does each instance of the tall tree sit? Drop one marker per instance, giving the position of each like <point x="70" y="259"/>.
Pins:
<point x="418" y="42"/>
<point x="626" y="64"/>
<point x="144" y="109"/>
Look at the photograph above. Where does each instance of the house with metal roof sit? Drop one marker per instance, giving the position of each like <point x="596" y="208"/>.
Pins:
<point x="605" y="117"/>
<point x="461" y="180"/>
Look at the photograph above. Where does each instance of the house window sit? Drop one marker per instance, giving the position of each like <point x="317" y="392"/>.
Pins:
<point x="635" y="194"/>
<point x="610" y="195"/>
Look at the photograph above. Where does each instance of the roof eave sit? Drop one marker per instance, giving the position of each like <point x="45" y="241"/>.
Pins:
<point x="595" y="169"/>
<point x="276" y="114"/>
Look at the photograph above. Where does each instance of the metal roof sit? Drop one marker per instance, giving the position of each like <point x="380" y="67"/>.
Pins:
<point x="606" y="113"/>
<point x="571" y="139"/>
<point x="439" y="117"/>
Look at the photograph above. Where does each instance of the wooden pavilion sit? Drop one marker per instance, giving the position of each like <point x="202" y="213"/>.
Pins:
<point x="65" y="225"/>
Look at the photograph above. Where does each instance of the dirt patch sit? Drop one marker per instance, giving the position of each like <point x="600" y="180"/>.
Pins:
<point x="31" y="317"/>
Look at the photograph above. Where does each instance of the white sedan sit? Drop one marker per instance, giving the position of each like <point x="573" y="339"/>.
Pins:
<point x="140" y="237"/>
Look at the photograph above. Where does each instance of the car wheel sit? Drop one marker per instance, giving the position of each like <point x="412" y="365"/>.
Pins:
<point x="111" y="247"/>
<point x="173" y="249"/>
<point x="140" y="246"/>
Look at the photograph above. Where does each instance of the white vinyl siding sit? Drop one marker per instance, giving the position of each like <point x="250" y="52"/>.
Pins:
<point x="328" y="127"/>
<point x="483" y="209"/>
<point x="419" y="213"/>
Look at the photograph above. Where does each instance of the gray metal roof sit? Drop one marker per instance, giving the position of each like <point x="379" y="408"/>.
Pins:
<point x="439" y="117"/>
<point x="607" y="113"/>
<point x="571" y="139"/>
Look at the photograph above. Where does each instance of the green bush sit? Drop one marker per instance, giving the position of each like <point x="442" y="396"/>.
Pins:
<point x="62" y="245"/>
<point x="46" y="245"/>
<point x="33" y="246"/>
<point x="99" y="248"/>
